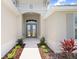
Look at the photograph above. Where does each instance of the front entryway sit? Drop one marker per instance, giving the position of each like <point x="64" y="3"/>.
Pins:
<point x="31" y="29"/>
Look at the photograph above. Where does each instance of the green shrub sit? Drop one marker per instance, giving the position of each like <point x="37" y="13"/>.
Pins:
<point x="42" y="41"/>
<point x="10" y="55"/>
<point x="43" y="46"/>
<point x="13" y="52"/>
<point x="20" y="42"/>
<point x="46" y="50"/>
<point x="17" y="46"/>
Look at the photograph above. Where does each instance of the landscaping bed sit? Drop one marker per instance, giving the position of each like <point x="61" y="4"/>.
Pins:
<point x="68" y="46"/>
<point x="15" y="52"/>
<point x="51" y="55"/>
<point x="46" y="53"/>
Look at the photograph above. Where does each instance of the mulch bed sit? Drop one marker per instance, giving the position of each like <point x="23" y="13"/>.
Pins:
<point x="17" y="54"/>
<point x="52" y="55"/>
<point x="46" y="55"/>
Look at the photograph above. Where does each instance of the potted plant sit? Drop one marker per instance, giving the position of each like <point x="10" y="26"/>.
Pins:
<point x="20" y="41"/>
<point x="42" y="41"/>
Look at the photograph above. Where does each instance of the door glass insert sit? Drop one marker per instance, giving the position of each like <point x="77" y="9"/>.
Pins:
<point x="34" y="30"/>
<point x="29" y="30"/>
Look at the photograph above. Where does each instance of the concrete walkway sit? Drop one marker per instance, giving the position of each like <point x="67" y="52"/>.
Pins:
<point x="31" y="50"/>
<point x="31" y="43"/>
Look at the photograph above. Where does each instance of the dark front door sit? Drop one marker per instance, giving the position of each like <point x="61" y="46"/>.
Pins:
<point x="31" y="30"/>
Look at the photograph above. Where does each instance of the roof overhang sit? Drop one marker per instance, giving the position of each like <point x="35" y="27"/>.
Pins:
<point x="66" y="8"/>
<point x="59" y="8"/>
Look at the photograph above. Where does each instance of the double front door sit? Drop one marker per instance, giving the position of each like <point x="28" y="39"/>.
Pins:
<point x="31" y="30"/>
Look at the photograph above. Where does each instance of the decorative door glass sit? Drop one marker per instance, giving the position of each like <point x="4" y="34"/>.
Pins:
<point x="33" y="30"/>
<point x="28" y="30"/>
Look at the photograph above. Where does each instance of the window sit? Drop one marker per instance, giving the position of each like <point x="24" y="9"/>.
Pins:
<point x="75" y="26"/>
<point x="71" y="21"/>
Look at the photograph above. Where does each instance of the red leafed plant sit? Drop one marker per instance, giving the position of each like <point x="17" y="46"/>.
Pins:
<point x="69" y="45"/>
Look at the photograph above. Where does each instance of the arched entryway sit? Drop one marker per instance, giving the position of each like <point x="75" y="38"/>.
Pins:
<point x="31" y="25"/>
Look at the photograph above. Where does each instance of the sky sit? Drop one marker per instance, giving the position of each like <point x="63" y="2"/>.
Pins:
<point x="62" y="2"/>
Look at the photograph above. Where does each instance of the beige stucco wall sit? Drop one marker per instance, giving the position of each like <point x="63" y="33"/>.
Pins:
<point x="42" y="27"/>
<point x="9" y="28"/>
<point x="19" y="25"/>
<point x="55" y="30"/>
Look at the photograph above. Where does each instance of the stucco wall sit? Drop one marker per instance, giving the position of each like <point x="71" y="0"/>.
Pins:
<point x="55" y="30"/>
<point x="19" y="25"/>
<point x="9" y="29"/>
<point x="42" y="27"/>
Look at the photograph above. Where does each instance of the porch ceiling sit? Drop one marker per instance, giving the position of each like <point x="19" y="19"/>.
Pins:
<point x="39" y="6"/>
